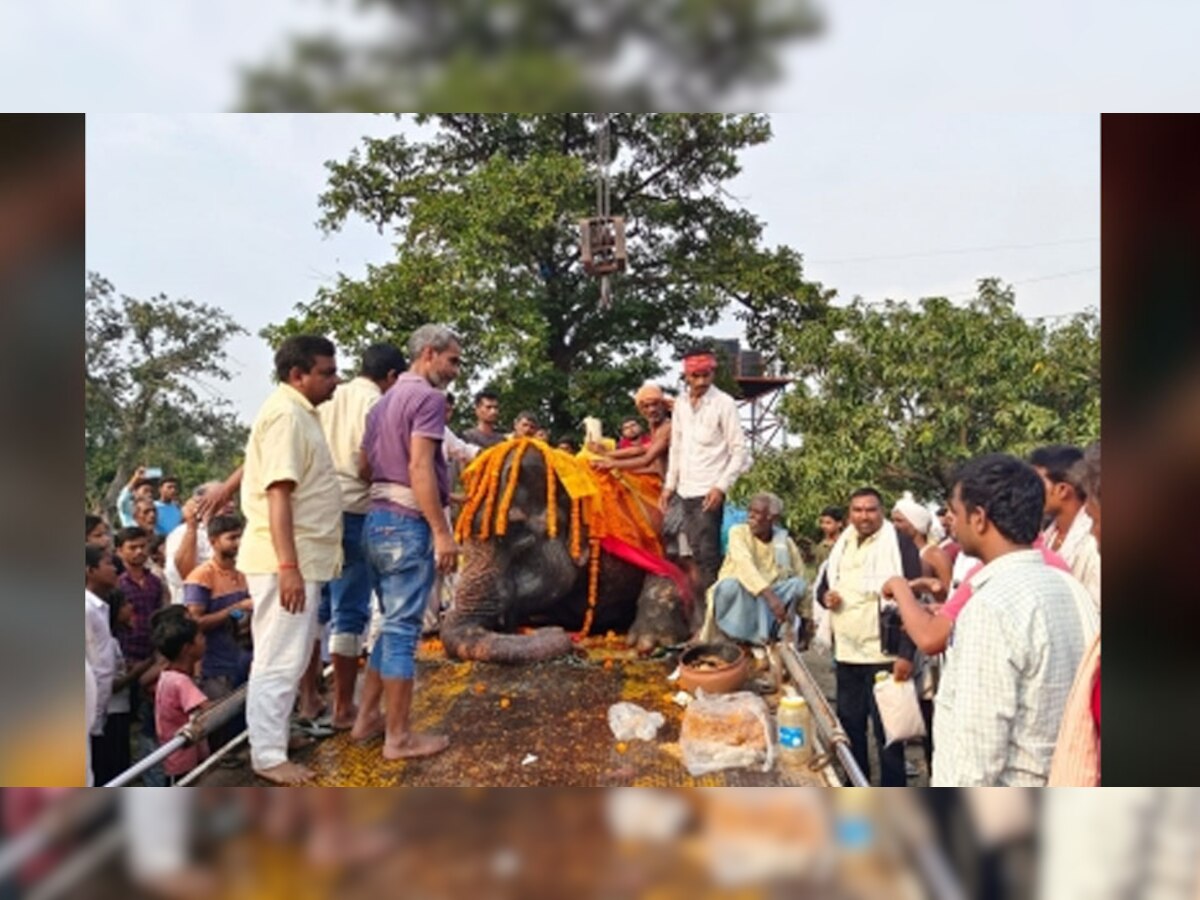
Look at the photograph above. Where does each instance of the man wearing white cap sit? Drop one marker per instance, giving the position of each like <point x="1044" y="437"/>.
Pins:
<point x="914" y="520"/>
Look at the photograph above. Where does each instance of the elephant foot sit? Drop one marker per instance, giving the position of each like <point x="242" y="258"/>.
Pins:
<point x="479" y="644"/>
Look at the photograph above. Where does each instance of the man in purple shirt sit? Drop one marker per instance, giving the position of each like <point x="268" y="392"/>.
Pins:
<point x="406" y="535"/>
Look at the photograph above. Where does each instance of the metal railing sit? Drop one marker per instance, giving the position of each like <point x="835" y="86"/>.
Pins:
<point x="828" y="726"/>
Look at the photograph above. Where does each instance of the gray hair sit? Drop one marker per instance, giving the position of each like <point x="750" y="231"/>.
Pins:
<point x="434" y="335"/>
<point x="774" y="504"/>
<point x="1085" y="473"/>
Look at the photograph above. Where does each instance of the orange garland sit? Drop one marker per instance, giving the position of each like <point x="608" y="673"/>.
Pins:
<point x="551" y="499"/>
<point x="593" y="584"/>
<point x="514" y="473"/>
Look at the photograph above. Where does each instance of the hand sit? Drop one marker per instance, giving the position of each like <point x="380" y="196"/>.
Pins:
<point x="926" y="585"/>
<point x="901" y="670"/>
<point x="445" y="552"/>
<point x="601" y="464"/>
<point x="664" y="499"/>
<point x="291" y="590"/>
<point x="778" y="610"/>
<point x="246" y="605"/>
<point x="896" y="582"/>
<point x="832" y="599"/>
<point x="137" y="475"/>
<point x="712" y="499"/>
<point x="213" y="501"/>
<point x="191" y="512"/>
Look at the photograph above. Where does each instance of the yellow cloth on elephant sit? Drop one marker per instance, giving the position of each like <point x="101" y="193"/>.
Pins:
<point x="614" y="503"/>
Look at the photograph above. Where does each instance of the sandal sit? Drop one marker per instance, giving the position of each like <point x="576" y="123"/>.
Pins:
<point x="315" y="728"/>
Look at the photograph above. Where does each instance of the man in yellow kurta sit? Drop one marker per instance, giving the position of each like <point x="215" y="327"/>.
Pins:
<point x="761" y="579"/>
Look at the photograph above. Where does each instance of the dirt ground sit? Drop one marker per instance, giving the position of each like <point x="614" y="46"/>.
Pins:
<point x="522" y="726"/>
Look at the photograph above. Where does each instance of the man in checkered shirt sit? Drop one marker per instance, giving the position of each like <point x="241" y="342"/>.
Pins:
<point x="1015" y="647"/>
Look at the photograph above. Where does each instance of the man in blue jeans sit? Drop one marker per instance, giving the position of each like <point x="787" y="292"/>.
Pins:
<point x="344" y="421"/>
<point x="407" y="537"/>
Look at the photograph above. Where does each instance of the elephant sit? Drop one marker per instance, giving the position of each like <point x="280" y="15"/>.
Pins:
<point x="525" y="576"/>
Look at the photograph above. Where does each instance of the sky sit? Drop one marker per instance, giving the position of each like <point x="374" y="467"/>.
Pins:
<point x="221" y="208"/>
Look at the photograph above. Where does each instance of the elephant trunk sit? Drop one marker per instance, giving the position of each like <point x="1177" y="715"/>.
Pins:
<point x="471" y="630"/>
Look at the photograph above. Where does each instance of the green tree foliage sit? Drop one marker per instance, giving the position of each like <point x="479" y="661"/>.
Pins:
<point x="145" y="403"/>
<point x="484" y="216"/>
<point x="896" y="395"/>
<point x="535" y="55"/>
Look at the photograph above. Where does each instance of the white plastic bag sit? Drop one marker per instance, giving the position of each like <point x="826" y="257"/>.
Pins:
<point x="899" y="709"/>
<point x="629" y="721"/>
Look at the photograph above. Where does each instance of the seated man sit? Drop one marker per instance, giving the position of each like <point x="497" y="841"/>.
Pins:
<point x="760" y="580"/>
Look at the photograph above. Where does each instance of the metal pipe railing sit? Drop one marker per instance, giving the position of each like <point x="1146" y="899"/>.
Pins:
<point x="828" y="724"/>
<point x="202" y="724"/>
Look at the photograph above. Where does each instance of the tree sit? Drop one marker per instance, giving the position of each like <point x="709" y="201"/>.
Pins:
<point x="896" y="395"/>
<point x="538" y="55"/>
<point x="145" y="403"/>
<point x="484" y="214"/>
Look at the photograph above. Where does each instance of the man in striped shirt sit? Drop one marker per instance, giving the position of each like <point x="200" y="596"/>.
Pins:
<point x="1015" y="647"/>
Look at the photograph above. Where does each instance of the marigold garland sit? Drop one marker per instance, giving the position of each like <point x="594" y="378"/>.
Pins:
<point x="593" y="586"/>
<point x="514" y="475"/>
<point x="551" y="498"/>
<point x="576" y="515"/>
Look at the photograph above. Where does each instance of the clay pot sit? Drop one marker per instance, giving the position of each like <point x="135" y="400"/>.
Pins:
<point x="723" y="679"/>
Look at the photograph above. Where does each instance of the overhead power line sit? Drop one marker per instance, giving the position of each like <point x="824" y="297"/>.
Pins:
<point x="922" y="253"/>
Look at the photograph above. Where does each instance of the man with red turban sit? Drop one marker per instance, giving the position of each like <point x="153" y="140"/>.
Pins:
<point x="708" y="452"/>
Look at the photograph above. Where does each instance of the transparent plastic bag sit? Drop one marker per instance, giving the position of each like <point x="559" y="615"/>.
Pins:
<point x="727" y="731"/>
<point x="629" y="721"/>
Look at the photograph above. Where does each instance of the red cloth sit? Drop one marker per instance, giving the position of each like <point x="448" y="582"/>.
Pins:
<point x="655" y="565"/>
<point x="701" y="362"/>
<point x="1096" y="701"/>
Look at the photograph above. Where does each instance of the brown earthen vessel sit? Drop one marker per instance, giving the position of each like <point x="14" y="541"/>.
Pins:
<point x="729" y="675"/>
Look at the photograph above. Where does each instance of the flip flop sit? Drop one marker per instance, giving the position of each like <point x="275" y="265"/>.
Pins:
<point x="314" y="728"/>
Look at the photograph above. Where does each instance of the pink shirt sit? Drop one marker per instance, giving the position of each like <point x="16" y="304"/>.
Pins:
<point x="959" y="598"/>
<point x="174" y="700"/>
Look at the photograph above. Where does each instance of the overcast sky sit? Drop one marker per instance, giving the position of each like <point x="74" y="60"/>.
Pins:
<point x="221" y="208"/>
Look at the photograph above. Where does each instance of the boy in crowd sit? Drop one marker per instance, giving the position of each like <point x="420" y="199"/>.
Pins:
<point x="177" y="636"/>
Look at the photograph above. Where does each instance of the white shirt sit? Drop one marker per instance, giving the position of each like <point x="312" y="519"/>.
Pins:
<point x="1009" y="667"/>
<point x="708" y="447"/>
<point x="204" y="553"/>
<point x="100" y="656"/>
<point x="344" y="419"/>
<point x="455" y="448"/>
<point x="1080" y="552"/>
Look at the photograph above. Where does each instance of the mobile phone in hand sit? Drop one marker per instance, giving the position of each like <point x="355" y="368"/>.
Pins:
<point x="152" y="472"/>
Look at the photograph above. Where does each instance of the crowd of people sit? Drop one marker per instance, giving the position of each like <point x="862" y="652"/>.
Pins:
<point x="346" y="492"/>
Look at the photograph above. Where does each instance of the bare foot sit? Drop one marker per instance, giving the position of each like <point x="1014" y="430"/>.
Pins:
<point x="344" y="720"/>
<point x="363" y="731"/>
<point x="415" y="745"/>
<point x="286" y="773"/>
